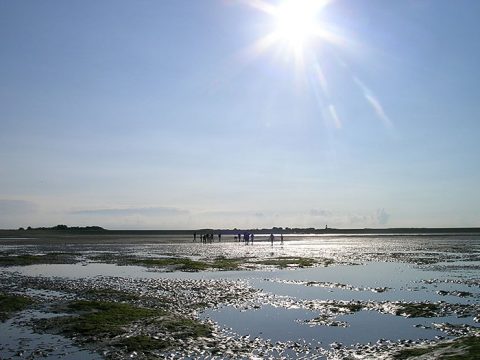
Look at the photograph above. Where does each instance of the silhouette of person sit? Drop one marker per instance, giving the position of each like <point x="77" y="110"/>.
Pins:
<point x="281" y="238"/>
<point x="272" y="238"/>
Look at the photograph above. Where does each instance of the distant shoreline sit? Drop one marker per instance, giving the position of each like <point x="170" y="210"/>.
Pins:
<point x="96" y="230"/>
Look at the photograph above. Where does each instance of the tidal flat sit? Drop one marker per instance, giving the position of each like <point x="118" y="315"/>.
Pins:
<point x="165" y="296"/>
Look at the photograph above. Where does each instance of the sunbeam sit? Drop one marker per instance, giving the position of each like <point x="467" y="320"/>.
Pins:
<point x="373" y="102"/>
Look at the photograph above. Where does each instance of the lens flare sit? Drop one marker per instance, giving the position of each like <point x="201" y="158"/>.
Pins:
<point x="300" y="28"/>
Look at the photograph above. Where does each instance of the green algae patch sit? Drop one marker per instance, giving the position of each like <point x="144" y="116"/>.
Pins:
<point x="143" y="343"/>
<point x="413" y="353"/>
<point x="284" y="262"/>
<point x="110" y="295"/>
<point x="465" y="348"/>
<point x="418" y="310"/>
<point x="183" y="264"/>
<point x="27" y="259"/>
<point x="10" y="304"/>
<point x="223" y="263"/>
<point x="98" y="317"/>
<point x="183" y="327"/>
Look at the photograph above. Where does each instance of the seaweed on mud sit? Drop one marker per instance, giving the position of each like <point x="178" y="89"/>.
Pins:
<point x="98" y="317"/>
<point x="223" y="263"/>
<point x="183" y="264"/>
<point x="184" y="327"/>
<point x="465" y="348"/>
<point x="418" y="310"/>
<point x="10" y="304"/>
<point x="28" y="259"/>
<point x="110" y="295"/>
<point x="285" y="261"/>
<point x="143" y="343"/>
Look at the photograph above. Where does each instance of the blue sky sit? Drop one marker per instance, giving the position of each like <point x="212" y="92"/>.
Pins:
<point x="156" y="115"/>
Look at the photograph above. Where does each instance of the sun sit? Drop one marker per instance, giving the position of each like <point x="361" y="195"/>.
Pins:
<point x="295" y="22"/>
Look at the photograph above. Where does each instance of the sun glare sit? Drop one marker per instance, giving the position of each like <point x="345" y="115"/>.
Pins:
<point x="294" y="25"/>
<point x="299" y="29"/>
<point x="295" y="21"/>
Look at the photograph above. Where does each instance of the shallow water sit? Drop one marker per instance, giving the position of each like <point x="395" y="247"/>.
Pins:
<point x="280" y="324"/>
<point x="403" y="281"/>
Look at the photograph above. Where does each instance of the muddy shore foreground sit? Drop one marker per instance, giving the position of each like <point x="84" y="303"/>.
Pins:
<point x="117" y="317"/>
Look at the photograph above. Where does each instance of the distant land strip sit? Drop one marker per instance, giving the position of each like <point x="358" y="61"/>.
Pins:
<point x="97" y="230"/>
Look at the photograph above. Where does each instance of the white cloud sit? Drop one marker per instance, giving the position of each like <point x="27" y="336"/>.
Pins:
<point x="382" y="217"/>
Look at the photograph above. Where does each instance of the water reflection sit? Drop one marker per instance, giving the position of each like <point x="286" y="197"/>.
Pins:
<point x="280" y="324"/>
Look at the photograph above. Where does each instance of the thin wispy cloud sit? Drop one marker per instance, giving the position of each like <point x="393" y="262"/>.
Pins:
<point x="237" y="214"/>
<point x="144" y="211"/>
<point x="16" y="207"/>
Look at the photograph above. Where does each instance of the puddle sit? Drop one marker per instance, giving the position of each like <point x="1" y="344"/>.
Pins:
<point x="280" y="324"/>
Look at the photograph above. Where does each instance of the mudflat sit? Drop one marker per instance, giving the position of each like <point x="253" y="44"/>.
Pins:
<point x="144" y="295"/>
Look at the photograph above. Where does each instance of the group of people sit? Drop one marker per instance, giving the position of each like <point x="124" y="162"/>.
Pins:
<point x="206" y="238"/>
<point x="246" y="237"/>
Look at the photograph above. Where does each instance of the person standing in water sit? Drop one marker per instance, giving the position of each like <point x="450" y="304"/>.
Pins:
<point x="272" y="238"/>
<point x="281" y="238"/>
